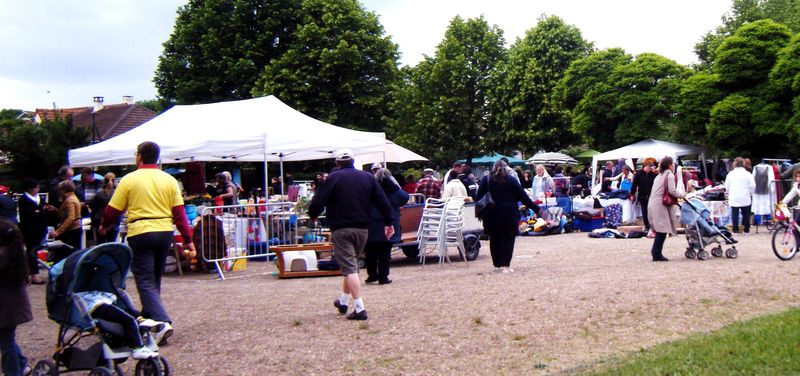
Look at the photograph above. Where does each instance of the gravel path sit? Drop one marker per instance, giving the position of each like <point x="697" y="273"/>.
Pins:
<point x="572" y="301"/>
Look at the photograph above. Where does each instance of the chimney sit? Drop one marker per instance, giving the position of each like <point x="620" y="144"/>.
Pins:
<point x="127" y="99"/>
<point x="98" y="104"/>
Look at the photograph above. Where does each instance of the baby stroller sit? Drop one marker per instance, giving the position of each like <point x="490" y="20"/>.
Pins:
<point x="102" y="268"/>
<point x="700" y="231"/>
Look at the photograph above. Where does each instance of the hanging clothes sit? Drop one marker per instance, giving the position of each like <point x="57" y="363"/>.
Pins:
<point x="777" y="187"/>
<point x="762" y="198"/>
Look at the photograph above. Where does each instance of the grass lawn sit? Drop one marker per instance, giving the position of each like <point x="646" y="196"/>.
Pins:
<point x="768" y="345"/>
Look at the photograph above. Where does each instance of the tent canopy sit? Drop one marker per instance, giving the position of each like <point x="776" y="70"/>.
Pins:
<point x="258" y="129"/>
<point x="643" y="149"/>
<point x="393" y="153"/>
<point x="490" y="159"/>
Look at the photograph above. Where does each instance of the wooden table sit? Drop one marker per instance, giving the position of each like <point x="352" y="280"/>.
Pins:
<point x="283" y="273"/>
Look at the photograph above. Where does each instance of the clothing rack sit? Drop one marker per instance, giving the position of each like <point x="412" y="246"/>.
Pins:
<point x="775" y="160"/>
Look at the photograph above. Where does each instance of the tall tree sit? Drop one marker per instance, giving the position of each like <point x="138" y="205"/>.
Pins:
<point x="698" y="94"/>
<point x="587" y="93"/>
<point x="450" y="92"/>
<point x="786" y="12"/>
<point x="37" y="151"/>
<point x="751" y="119"/>
<point x="338" y="67"/>
<point x="218" y="48"/>
<point x="784" y="79"/>
<point x="524" y="109"/>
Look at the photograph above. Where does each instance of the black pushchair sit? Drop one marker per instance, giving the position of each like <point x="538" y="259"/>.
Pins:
<point x="101" y="268"/>
<point x="701" y="231"/>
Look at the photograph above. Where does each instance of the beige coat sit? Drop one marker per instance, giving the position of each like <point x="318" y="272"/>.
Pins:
<point x="662" y="218"/>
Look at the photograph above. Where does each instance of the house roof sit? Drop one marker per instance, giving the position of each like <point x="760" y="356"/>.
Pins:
<point x="112" y="120"/>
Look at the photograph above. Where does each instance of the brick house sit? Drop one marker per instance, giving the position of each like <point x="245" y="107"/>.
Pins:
<point x="110" y="120"/>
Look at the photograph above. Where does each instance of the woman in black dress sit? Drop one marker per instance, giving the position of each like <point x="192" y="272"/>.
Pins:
<point x="32" y="224"/>
<point x="502" y="222"/>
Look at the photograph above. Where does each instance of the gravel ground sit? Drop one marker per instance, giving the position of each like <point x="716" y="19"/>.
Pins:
<point x="571" y="302"/>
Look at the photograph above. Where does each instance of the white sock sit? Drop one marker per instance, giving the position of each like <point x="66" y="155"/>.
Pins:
<point x="343" y="299"/>
<point x="359" y="304"/>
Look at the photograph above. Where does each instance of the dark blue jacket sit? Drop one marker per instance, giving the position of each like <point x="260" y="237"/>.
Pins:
<point x="397" y="198"/>
<point x="349" y="194"/>
<point x="503" y="219"/>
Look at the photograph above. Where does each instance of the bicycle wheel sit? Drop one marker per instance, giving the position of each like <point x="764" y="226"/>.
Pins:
<point x="784" y="242"/>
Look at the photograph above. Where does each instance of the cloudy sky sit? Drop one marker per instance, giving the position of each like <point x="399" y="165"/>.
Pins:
<point x="63" y="53"/>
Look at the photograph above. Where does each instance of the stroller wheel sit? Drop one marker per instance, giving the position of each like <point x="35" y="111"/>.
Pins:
<point x="100" y="371"/>
<point x="716" y="251"/>
<point x="690" y="254"/>
<point x="45" y="368"/>
<point x="702" y="255"/>
<point x="732" y="253"/>
<point x="148" y="367"/>
<point x="164" y="366"/>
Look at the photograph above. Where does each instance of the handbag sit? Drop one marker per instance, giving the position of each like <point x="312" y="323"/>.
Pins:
<point x="484" y="205"/>
<point x="667" y="199"/>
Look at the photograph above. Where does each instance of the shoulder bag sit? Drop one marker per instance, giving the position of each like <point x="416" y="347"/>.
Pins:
<point x="485" y="204"/>
<point x="668" y="199"/>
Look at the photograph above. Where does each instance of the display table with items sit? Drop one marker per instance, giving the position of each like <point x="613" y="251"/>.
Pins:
<point x="301" y="260"/>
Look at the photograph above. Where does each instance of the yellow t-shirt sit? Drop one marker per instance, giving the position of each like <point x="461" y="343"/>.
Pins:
<point x="149" y="194"/>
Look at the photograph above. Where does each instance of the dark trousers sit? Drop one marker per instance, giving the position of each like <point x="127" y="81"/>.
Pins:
<point x="643" y="205"/>
<point x="745" y="210"/>
<point x="149" y="256"/>
<point x="30" y="250"/>
<point x="378" y="256"/>
<point x="115" y="314"/>
<point x="110" y="236"/>
<point x="72" y="238"/>
<point x="502" y="249"/>
<point x="13" y="361"/>
<point x="658" y="245"/>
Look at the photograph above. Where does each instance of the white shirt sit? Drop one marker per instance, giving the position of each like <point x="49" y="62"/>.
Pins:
<point x="740" y="185"/>
<point x="542" y="184"/>
<point x="454" y="188"/>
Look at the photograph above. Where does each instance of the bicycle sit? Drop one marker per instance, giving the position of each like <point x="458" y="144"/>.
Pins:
<point x="785" y="233"/>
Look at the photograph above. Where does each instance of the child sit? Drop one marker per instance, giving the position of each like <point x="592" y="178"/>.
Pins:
<point x="100" y="305"/>
<point x="15" y="307"/>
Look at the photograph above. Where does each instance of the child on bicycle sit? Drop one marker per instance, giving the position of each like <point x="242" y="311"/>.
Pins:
<point x="794" y="192"/>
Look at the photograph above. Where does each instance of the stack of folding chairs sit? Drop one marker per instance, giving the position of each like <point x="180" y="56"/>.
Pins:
<point x="441" y="227"/>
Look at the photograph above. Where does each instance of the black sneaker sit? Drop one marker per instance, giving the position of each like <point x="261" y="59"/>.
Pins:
<point x="371" y="280"/>
<point x="385" y="281"/>
<point x="357" y="315"/>
<point x="341" y="307"/>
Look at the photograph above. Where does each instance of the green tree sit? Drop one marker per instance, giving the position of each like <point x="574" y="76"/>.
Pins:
<point x="786" y="12"/>
<point x="648" y="89"/>
<point x="588" y="95"/>
<point x="339" y="66"/>
<point x="449" y="92"/>
<point x="38" y="150"/>
<point x="522" y="104"/>
<point x="219" y="47"/>
<point x="9" y="114"/>
<point x="745" y="59"/>
<point x="698" y="94"/>
<point x="730" y="121"/>
<point x="784" y="79"/>
<point x="158" y="105"/>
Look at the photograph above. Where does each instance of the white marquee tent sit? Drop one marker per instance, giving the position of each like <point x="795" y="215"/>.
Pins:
<point x="258" y="129"/>
<point x="643" y="149"/>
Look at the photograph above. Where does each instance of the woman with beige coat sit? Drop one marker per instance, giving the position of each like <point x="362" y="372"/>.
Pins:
<point x="663" y="219"/>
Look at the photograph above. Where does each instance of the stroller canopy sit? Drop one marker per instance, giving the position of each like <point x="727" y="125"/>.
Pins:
<point x="101" y="268"/>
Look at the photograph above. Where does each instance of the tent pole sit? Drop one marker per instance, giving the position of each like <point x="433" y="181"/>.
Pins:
<point x="703" y="158"/>
<point x="266" y="178"/>
<point x="282" y="178"/>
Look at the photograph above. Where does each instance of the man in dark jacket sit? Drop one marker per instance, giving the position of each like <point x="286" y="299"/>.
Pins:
<point x="348" y="195"/>
<point x="642" y="185"/>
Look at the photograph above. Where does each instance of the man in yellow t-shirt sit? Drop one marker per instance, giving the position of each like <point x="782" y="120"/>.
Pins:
<point x="154" y="203"/>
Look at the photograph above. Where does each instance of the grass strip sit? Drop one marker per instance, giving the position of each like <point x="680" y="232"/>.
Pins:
<point x="767" y="345"/>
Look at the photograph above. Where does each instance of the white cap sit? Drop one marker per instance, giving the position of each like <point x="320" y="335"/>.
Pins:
<point x="376" y="165"/>
<point x="344" y="155"/>
<point x="427" y="170"/>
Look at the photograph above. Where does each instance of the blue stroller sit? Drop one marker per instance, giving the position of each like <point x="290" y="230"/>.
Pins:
<point x="102" y="268"/>
<point x="701" y="231"/>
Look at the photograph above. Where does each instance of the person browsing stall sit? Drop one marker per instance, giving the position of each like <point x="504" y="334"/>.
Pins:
<point x="428" y="185"/>
<point x="348" y="197"/>
<point x="154" y="203"/>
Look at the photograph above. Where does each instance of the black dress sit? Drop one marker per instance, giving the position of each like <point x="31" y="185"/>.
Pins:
<point x="33" y="225"/>
<point x="502" y="222"/>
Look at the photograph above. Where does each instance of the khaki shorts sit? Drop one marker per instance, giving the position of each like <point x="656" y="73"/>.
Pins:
<point x="348" y="246"/>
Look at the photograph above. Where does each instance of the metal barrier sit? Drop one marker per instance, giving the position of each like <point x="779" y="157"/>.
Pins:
<point x="232" y="233"/>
